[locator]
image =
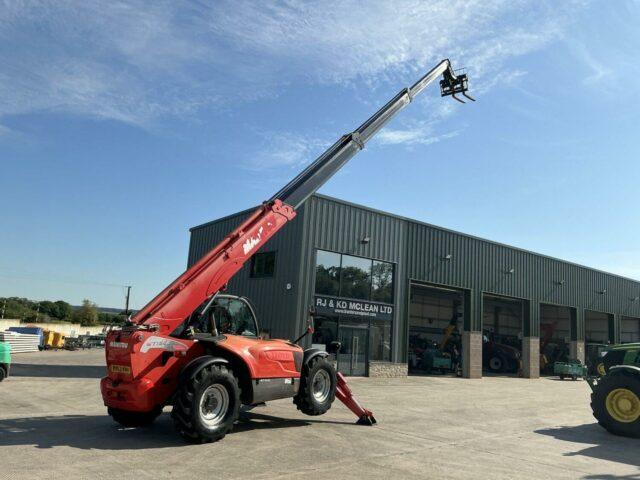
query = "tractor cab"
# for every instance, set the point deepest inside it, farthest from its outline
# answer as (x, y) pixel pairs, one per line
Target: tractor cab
(223, 315)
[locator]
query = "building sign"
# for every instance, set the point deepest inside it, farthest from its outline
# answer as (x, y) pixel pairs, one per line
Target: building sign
(331, 306)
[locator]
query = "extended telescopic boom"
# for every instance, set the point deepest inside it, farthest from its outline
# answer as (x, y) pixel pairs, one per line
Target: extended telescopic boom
(215, 269)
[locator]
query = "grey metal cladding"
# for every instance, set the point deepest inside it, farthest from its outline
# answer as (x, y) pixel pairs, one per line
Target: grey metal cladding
(275, 304)
(418, 250)
(338, 226)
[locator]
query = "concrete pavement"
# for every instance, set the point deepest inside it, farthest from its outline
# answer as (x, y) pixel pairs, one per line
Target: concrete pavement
(53, 425)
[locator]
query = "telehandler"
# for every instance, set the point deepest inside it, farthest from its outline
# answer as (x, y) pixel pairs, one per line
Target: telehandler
(196, 348)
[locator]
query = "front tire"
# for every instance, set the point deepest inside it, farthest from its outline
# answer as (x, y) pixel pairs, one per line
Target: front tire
(207, 406)
(317, 387)
(130, 419)
(616, 403)
(497, 364)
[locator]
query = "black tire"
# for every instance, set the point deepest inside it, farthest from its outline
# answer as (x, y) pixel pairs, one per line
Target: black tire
(133, 419)
(206, 407)
(3, 373)
(606, 385)
(315, 396)
(562, 376)
(574, 377)
(497, 364)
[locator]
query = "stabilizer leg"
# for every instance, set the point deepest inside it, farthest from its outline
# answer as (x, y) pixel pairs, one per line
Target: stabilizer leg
(344, 394)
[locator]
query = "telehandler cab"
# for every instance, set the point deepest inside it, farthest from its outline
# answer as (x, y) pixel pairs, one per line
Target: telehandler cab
(197, 348)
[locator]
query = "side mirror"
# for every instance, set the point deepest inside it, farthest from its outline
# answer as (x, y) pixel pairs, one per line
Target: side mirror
(334, 347)
(311, 320)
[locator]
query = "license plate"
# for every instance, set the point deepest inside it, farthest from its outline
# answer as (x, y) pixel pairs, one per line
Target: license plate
(120, 369)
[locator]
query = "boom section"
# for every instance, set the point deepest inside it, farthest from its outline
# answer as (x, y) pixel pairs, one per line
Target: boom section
(212, 272)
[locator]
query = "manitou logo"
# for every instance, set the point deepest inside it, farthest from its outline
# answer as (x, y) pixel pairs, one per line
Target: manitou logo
(252, 242)
(162, 344)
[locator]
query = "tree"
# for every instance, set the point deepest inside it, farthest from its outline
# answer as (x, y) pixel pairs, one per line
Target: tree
(63, 311)
(87, 314)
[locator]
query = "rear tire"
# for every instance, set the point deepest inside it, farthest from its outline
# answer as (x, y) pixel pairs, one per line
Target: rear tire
(3, 374)
(317, 387)
(130, 419)
(616, 403)
(497, 364)
(207, 406)
(562, 376)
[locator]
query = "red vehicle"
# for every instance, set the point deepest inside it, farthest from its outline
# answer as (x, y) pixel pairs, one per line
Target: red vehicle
(197, 349)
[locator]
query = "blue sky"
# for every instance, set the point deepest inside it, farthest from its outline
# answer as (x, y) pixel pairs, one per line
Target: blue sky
(122, 124)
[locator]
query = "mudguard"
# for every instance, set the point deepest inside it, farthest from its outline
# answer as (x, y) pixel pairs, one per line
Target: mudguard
(196, 365)
(625, 368)
(311, 353)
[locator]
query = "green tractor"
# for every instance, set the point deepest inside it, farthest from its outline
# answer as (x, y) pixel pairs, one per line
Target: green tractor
(615, 400)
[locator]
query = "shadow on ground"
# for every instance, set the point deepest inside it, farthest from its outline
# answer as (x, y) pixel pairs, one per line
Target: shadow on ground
(100, 432)
(60, 371)
(603, 445)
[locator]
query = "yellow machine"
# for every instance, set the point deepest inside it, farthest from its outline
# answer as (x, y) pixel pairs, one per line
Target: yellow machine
(58, 340)
(48, 337)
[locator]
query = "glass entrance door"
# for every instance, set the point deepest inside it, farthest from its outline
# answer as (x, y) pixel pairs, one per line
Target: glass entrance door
(352, 358)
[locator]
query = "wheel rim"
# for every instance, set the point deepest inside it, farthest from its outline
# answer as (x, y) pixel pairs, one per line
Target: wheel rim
(321, 385)
(495, 363)
(623, 405)
(214, 404)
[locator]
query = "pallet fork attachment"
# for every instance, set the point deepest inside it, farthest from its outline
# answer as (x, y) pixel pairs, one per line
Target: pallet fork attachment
(344, 394)
(453, 83)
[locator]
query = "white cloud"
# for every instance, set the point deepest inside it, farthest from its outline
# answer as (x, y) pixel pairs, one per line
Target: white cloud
(421, 134)
(285, 149)
(138, 62)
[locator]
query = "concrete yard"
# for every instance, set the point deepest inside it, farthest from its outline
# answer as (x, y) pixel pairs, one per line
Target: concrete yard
(53, 425)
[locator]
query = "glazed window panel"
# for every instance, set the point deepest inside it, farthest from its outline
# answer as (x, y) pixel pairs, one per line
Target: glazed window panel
(355, 278)
(327, 273)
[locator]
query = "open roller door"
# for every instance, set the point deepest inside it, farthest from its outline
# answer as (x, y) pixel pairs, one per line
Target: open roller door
(555, 335)
(502, 329)
(436, 322)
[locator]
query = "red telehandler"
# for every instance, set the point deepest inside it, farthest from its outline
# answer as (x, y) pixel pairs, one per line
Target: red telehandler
(197, 348)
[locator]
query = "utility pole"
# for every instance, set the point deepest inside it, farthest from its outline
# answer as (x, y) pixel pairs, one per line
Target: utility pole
(126, 306)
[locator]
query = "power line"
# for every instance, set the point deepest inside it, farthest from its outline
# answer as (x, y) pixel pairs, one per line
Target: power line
(60, 280)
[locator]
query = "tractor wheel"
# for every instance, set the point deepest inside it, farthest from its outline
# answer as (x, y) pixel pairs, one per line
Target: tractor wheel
(497, 364)
(616, 403)
(317, 387)
(206, 408)
(133, 419)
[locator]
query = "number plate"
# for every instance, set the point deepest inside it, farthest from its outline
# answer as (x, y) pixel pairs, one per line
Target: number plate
(120, 369)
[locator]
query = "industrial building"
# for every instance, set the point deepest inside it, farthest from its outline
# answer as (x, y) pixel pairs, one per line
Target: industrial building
(388, 288)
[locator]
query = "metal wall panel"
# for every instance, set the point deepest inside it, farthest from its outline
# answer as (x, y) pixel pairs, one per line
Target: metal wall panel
(418, 250)
(340, 227)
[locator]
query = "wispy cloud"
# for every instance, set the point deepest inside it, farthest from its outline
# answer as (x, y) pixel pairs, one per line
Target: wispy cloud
(285, 149)
(421, 134)
(138, 62)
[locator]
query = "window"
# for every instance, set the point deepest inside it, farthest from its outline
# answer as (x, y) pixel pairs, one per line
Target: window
(382, 282)
(234, 317)
(263, 265)
(328, 273)
(381, 341)
(353, 277)
(355, 280)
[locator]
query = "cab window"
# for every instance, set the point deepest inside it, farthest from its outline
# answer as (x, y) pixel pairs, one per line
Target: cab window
(234, 317)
